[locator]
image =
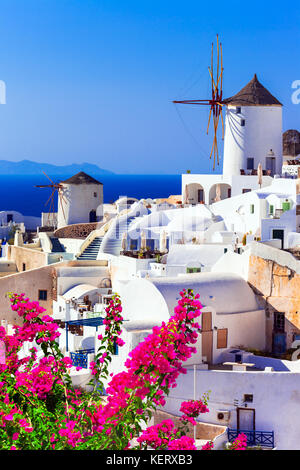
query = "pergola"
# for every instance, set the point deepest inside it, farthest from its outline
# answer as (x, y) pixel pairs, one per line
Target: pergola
(95, 322)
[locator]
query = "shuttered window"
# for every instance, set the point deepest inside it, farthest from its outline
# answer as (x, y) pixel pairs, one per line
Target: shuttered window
(222, 338)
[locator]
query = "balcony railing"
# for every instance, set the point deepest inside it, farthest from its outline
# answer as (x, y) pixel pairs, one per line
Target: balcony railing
(254, 438)
(80, 358)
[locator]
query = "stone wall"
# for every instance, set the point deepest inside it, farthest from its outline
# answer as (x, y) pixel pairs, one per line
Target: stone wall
(29, 282)
(26, 258)
(76, 231)
(278, 289)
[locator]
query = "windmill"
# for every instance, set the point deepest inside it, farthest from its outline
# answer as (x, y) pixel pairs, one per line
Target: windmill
(54, 187)
(215, 101)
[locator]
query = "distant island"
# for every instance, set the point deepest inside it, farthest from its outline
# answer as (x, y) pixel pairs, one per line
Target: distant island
(27, 167)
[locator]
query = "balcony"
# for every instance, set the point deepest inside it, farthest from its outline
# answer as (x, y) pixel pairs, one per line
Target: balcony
(254, 438)
(80, 358)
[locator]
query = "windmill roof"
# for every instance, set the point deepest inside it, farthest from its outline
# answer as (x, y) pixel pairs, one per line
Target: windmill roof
(81, 178)
(253, 94)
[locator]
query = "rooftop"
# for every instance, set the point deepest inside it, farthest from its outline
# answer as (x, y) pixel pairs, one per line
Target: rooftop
(253, 94)
(81, 178)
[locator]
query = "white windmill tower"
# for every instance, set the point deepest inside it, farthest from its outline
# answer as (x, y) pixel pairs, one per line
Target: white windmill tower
(82, 200)
(253, 131)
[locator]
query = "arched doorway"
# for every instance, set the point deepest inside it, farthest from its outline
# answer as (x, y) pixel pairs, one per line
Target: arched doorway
(93, 217)
(194, 193)
(219, 192)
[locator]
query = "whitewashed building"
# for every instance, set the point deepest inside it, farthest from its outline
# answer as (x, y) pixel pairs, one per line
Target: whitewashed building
(80, 200)
(253, 135)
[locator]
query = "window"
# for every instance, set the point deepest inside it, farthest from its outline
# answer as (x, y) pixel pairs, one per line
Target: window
(245, 190)
(248, 398)
(23, 267)
(222, 338)
(286, 206)
(9, 218)
(95, 194)
(238, 110)
(251, 208)
(279, 322)
(42, 295)
(250, 163)
(243, 122)
(193, 270)
(271, 209)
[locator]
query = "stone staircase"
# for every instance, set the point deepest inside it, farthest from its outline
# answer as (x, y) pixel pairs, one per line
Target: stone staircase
(113, 244)
(91, 251)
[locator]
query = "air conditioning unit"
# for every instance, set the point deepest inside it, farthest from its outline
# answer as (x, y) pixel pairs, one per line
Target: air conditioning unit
(223, 415)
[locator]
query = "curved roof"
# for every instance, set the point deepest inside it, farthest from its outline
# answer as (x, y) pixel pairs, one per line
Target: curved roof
(225, 292)
(125, 199)
(79, 291)
(143, 305)
(253, 94)
(81, 178)
(148, 302)
(192, 219)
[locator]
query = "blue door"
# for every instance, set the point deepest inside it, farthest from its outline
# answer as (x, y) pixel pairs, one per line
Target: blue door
(279, 343)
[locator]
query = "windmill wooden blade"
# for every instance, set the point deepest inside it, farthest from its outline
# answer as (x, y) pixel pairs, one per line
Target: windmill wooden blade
(51, 197)
(48, 177)
(215, 101)
(208, 120)
(55, 187)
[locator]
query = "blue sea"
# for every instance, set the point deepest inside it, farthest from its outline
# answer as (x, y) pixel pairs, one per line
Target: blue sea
(18, 192)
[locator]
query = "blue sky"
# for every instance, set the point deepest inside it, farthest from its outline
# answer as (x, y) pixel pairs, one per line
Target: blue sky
(94, 80)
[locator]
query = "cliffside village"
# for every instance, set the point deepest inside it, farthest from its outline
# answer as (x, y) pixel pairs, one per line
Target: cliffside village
(234, 238)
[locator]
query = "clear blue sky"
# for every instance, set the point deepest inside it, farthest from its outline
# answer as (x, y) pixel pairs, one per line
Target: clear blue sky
(94, 80)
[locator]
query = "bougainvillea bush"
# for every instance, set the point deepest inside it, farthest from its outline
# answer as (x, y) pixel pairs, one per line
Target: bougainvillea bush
(41, 409)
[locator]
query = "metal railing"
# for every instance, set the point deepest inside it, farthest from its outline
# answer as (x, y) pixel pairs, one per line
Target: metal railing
(80, 358)
(254, 438)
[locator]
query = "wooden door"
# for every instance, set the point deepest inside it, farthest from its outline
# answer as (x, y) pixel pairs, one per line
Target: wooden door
(206, 321)
(207, 336)
(246, 419)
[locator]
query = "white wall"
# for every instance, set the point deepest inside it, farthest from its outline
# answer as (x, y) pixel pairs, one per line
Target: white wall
(68, 277)
(276, 399)
(78, 200)
(261, 133)
(71, 245)
(287, 222)
(233, 263)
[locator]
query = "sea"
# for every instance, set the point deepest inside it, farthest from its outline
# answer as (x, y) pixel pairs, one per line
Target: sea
(19, 192)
